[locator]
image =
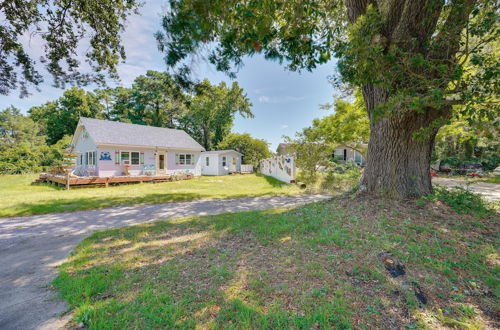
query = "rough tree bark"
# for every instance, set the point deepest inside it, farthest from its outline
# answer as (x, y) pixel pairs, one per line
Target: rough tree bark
(398, 162)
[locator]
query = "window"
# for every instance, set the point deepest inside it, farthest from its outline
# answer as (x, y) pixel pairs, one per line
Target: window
(207, 161)
(135, 158)
(185, 159)
(130, 157)
(125, 157)
(234, 161)
(223, 160)
(90, 158)
(338, 154)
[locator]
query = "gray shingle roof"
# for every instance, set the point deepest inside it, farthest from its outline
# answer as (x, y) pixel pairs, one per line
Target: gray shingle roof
(221, 152)
(114, 132)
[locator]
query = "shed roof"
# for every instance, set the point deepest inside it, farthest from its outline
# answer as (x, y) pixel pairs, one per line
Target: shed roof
(219, 152)
(114, 132)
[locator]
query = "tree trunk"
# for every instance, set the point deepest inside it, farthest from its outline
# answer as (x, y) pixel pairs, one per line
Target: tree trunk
(398, 161)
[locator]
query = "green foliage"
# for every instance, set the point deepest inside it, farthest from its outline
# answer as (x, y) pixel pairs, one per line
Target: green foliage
(253, 149)
(309, 155)
(211, 112)
(22, 145)
(460, 199)
(412, 69)
(334, 180)
(462, 141)
(60, 117)
(157, 100)
(59, 27)
(451, 52)
(19, 159)
(16, 129)
(348, 125)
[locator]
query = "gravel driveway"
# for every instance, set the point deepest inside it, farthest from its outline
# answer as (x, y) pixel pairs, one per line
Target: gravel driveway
(31, 246)
(490, 191)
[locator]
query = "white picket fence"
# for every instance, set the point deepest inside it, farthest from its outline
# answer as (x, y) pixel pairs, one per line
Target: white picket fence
(279, 167)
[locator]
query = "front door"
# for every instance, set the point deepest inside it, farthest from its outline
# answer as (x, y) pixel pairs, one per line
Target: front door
(161, 162)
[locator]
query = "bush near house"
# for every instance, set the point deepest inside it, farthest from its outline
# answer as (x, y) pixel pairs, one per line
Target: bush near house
(322, 265)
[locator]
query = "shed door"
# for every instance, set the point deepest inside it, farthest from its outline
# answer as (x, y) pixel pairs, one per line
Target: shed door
(209, 165)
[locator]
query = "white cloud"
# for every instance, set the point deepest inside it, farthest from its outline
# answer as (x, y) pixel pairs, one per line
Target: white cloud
(284, 126)
(280, 99)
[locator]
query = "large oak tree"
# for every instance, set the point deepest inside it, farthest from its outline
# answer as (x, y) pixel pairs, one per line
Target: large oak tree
(412, 59)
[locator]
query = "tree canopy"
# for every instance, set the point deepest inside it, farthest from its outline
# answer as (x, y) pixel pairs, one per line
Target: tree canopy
(212, 110)
(61, 26)
(348, 125)
(253, 150)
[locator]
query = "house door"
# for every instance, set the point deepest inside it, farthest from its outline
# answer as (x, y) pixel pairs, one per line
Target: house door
(161, 163)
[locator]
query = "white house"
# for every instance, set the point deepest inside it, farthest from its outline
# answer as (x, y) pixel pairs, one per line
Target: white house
(220, 162)
(111, 148)
(345, 154)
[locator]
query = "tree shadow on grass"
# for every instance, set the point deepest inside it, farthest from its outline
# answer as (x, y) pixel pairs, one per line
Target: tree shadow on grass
(272, 181)
(259, 269)
(186, 275)
(94, 203)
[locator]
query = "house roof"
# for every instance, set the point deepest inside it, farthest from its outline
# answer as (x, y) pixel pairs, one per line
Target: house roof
(114, 132)
(220, 152)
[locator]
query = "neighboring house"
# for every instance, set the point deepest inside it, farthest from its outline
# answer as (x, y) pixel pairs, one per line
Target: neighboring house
(342, 153)
(108, 148)
(345, 154)
(220, 162)
(283, 149)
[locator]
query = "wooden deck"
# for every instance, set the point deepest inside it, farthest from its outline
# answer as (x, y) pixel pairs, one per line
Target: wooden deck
(99, 181)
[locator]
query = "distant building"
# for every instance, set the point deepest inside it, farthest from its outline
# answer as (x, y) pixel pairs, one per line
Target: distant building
(346, 154)
(283, 149)
(343, 153)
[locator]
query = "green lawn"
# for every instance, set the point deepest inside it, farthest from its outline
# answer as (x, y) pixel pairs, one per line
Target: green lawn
(322, 265)
(18, 197)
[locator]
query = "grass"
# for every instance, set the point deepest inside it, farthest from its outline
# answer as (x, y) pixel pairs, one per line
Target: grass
(495, 179)
(18, 197)
(331, 181)
(314, 266)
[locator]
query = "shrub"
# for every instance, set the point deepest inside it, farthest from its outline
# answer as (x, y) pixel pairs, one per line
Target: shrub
(461, 200)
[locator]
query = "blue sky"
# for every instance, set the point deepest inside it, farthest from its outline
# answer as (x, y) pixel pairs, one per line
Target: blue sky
(283, 102)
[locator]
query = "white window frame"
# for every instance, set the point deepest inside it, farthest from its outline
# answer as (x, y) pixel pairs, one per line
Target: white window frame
(129, 153)
(132, 158)
(183, 159)
(207, 161)
(339, 154)
(224, 161)
(90, 158)
(125, 161)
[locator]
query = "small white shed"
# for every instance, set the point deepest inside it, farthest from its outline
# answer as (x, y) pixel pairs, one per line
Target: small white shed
(220, 162)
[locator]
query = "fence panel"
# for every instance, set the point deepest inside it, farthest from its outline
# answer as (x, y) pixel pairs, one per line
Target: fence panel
(279, 167)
